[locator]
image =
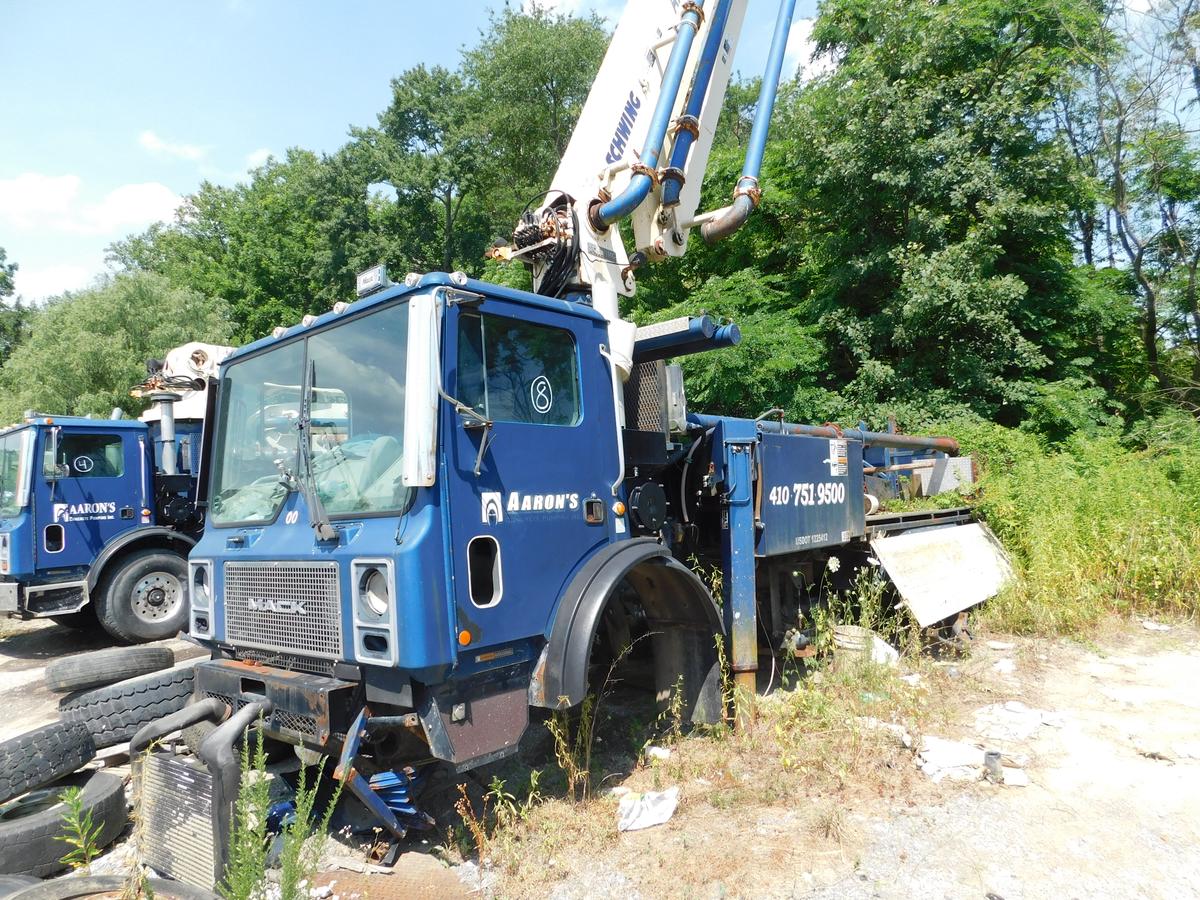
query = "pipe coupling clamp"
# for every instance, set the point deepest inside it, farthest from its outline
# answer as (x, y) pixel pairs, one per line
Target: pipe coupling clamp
(691, 6)
(689, 124)
(648, 171)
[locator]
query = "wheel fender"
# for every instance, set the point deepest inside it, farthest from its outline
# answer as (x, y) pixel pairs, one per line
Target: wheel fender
(152, 534)
(560, 678)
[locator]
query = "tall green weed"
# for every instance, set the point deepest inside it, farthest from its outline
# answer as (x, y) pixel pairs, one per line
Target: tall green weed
(1098, 525)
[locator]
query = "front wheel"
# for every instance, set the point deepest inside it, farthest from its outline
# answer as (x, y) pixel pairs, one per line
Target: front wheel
(144, 597)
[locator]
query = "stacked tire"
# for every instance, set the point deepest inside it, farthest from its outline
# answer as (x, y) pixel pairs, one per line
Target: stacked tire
(113, 694)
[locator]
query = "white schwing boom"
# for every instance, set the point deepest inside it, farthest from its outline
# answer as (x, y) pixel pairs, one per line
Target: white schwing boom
(640, 150)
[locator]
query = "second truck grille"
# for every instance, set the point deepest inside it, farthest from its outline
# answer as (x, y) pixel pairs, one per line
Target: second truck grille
(291, 607)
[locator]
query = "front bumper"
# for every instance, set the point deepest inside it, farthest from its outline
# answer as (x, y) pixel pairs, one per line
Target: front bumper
(312, 710)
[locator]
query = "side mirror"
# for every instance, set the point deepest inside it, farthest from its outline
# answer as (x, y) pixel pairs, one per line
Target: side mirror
(51, 470)
(422, 381)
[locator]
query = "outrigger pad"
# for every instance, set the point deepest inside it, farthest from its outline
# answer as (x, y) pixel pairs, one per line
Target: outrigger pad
(945, 569)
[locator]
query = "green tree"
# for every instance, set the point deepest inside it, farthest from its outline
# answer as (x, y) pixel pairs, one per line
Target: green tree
(529, 76)
(86, 350)
(930, 198)
(7, 270)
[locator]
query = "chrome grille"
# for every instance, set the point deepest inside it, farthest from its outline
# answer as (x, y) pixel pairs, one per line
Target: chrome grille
(176, 807)
(281, 586)
(288, 661)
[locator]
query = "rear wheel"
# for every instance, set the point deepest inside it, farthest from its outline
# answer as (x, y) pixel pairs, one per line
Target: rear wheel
(143, 598)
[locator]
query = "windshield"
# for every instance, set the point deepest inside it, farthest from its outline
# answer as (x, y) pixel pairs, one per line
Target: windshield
(355, 430)
(14, 471)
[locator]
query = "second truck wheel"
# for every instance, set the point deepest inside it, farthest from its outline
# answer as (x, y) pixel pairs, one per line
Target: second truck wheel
(144, 598)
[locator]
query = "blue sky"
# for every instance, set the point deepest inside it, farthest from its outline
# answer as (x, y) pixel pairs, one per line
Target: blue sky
(113, 111)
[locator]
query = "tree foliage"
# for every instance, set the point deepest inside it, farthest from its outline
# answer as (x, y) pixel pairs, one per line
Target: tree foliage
(86, 350)
(986, 208)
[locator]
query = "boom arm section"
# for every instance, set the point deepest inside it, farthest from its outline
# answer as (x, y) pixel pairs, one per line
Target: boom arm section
(640, 149)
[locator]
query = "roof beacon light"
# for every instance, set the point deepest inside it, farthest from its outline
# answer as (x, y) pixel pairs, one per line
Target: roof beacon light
(372, 280)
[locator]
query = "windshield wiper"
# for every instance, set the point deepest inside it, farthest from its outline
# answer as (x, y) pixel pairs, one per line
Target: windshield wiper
(307, 481)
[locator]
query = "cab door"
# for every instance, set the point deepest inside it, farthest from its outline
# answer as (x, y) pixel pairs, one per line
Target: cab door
(87, 493)
(539, 504)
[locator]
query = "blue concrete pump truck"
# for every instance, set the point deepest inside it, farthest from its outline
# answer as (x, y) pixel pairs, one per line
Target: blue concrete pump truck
(97, 515)
(436, 507)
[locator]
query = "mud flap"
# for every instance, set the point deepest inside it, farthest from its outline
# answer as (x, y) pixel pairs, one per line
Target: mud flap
(480, 721)
(945, 569)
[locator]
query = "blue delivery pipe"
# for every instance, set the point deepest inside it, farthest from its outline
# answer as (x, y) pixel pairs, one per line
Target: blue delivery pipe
(747, 193)
(639, 186)
(673, 177)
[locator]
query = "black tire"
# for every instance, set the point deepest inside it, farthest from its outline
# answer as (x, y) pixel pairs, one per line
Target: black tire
(114, 714)
(31, 826)
(84, 671)
(143, 597)
(40, 756)
(193, 736)
(107, 886)
(12, 885)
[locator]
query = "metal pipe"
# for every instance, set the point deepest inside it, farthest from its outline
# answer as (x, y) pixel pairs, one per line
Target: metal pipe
(638, 189)
(165, 401)
(947, 445)
(695, 104)
(746, 195)
(684, 343)
(210, 708)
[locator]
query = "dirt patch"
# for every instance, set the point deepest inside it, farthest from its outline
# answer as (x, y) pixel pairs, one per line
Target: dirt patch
(1112, 808)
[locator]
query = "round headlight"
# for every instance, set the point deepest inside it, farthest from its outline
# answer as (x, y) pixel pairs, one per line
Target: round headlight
(374, 590)
(200, 588)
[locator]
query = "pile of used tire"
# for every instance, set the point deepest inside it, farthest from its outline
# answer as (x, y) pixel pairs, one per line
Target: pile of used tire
(108, 696)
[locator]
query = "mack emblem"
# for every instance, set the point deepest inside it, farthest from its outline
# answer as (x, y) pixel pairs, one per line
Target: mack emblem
(295, 607)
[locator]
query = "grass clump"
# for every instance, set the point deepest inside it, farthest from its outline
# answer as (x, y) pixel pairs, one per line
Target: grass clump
(1096, 526)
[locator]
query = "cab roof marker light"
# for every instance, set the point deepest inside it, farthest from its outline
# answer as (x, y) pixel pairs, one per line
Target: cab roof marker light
(308, 320)
(340, 307)
(278, 331)
(412, 279)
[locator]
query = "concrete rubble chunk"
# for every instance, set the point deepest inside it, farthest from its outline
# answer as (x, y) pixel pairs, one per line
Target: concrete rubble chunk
(1015, 777)
(1013, 721)
(1001, 645)
(1151, 625)
(940, 759)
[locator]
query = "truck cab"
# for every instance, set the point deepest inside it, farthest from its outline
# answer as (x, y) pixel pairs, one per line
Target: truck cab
(97, 515)
(403, 493)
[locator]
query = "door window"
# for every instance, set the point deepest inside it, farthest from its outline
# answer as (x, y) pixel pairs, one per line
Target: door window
(515, 371)
(91, 455)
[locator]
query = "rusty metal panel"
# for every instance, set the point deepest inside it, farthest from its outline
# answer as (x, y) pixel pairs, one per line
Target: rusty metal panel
(943, 570)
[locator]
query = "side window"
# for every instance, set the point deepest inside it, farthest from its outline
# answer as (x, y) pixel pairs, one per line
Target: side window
(91, 455)
(514, 371)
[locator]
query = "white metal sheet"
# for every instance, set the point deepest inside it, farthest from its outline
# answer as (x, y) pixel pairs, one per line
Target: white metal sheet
(943, 570)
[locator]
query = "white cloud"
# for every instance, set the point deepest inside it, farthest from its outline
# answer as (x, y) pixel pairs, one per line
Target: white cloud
(1139, 6)
(32, 198)
(257, 157)
(159, 147)
(798, 58)
(35, 283)
(53, 203)
(605, 9)
(130, 206)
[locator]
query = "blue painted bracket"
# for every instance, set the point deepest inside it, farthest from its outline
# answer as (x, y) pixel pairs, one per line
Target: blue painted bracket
(359, 786)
